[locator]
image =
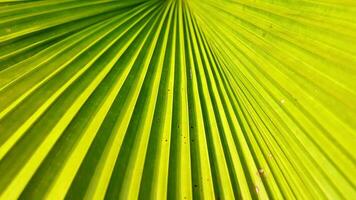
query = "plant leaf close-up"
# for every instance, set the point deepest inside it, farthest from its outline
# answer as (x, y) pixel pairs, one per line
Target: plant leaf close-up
(178, 99)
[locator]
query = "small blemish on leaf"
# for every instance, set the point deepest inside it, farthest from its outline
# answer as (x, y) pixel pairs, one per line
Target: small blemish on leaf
(261, 172)
(257, 189)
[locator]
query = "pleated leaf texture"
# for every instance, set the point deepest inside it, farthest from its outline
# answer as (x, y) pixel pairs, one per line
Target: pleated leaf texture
(178, 99)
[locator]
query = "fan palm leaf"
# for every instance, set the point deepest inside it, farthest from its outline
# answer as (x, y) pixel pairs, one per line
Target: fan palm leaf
(178, 99)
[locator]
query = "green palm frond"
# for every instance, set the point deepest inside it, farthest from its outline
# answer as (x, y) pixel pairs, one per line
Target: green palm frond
(178, 99)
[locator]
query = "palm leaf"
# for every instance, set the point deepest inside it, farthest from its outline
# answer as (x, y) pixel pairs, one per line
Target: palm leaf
(178, 99)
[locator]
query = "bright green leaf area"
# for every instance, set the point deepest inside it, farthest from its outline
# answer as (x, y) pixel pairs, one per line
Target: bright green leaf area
(178, 99)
